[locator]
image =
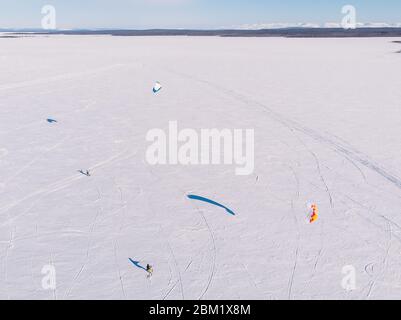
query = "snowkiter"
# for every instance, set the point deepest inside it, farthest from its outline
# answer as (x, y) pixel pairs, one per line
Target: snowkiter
(149, 269)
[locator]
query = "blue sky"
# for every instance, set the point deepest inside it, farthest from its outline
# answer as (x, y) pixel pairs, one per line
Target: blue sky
(191, 13)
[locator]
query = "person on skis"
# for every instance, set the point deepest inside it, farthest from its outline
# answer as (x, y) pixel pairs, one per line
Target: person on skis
(149, 270)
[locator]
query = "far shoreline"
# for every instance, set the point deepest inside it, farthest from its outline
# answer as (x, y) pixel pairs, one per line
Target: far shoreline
(286, 33)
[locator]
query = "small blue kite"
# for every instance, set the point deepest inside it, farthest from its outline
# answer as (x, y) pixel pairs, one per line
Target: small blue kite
(193, 197)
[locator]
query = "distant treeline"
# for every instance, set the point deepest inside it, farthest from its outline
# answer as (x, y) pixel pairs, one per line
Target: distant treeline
(290, 32)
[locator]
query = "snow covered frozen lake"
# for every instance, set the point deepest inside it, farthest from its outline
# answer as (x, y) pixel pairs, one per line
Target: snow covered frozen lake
(327, 120)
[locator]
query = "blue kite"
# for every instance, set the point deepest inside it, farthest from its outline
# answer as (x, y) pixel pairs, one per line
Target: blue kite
(193, 197)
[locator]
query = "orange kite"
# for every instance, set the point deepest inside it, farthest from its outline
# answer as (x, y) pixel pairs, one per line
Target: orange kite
(315, 212)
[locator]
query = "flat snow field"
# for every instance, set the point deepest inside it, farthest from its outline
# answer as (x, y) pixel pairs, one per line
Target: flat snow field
(327, 121)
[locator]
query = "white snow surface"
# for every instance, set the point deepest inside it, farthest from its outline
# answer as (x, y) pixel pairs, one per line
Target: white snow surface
(327, 121)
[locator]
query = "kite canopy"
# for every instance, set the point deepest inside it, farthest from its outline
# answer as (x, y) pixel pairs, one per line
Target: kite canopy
(194, 197)
(51, 120)
(157, 87)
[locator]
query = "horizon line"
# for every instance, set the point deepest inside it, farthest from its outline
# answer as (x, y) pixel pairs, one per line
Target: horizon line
(38, 29)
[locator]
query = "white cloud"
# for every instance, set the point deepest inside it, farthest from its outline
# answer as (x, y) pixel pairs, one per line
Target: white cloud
(332, 25)
(281, 25)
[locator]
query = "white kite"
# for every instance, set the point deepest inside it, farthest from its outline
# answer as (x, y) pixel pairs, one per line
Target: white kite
(157, 87)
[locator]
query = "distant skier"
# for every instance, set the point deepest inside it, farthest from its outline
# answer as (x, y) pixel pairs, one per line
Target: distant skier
(149, 270)
(87, 173)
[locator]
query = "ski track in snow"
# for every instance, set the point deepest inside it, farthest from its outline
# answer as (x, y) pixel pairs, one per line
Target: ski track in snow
(212, 272)
(121, 212)
(293, 125)
(57, 186)
(344, 149)
(57, 78)
(178, 270)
